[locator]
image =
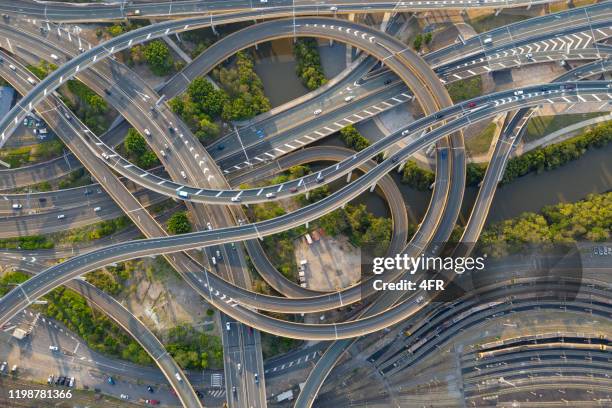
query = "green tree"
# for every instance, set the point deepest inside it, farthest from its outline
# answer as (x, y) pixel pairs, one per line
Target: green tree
(417, 43)
(158, 57)
(134, 143)
(179, 223)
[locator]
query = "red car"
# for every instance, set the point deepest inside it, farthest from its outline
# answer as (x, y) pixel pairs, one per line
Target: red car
(152, 402)
(471, 104)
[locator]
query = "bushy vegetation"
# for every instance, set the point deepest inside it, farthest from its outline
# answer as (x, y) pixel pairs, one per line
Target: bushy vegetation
(200, 107)
(589, 219)
(110, 279)
(97, 230)
(465, 89)
(90, 107)
(309, 67)
(417, 177)
(10, 279)
(28, 243)
(353, 139)
(361, 226)
(549, 157)
(244, 87)
(419, 39)
(537, 160)
(179, 223)
(42, 69)
(138, 151)
(193, 349)
(241, 97)
(157, 55)
(21, 156)
(75, 178)
(70, 308)
(98, 331)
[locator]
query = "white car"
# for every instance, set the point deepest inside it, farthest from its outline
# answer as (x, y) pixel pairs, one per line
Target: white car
(61, 217)
(96, 209)
(317, 112)
(227, 326)
(147, 132)
(349, 98)
(53, 348)
(124, 396)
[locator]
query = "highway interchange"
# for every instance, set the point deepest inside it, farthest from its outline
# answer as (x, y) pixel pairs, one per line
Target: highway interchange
(423, 78)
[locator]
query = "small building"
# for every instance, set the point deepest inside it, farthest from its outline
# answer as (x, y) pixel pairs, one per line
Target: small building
(284, 396)
(20, 334)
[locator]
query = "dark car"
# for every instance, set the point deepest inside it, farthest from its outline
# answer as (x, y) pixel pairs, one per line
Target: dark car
(220, 147)
(199, 394)
(108, 92)
(42, 199)
(110, 381)
(387, 82)
(150, 389)
(293, 190)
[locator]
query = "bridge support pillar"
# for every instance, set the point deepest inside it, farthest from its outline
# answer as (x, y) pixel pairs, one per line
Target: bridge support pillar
(497, 12)
(343, 205)
(529, 7)
(307, 195)
(307, 224)
(401, 166)
(372, 188)
(348, 177)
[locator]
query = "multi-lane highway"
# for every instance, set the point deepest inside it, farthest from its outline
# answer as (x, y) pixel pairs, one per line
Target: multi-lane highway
(195, 178)
(164, 9)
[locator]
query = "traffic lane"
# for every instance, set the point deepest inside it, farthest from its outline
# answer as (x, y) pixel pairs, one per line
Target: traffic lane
(257, 140)
(272, 223)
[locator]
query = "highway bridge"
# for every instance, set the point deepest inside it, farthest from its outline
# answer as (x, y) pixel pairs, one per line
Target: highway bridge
(534, 41)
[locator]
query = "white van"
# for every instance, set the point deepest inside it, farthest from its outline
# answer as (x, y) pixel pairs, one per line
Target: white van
(17, 206)
(55, 57)
(97, 209)
(61, 217)
(31, 80)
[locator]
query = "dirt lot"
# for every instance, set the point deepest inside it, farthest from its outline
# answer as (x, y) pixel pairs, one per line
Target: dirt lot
(162, 300)
(332, 262)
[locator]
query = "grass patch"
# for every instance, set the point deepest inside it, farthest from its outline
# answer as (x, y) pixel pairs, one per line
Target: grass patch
(539, 126)
(481, 142)
(77, 178)
(95, 231)
(465, 89)
(489, 22)
(29, 243)
(26, 155)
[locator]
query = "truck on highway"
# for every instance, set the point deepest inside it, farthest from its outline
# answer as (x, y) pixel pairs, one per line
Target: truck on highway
(183, 194)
